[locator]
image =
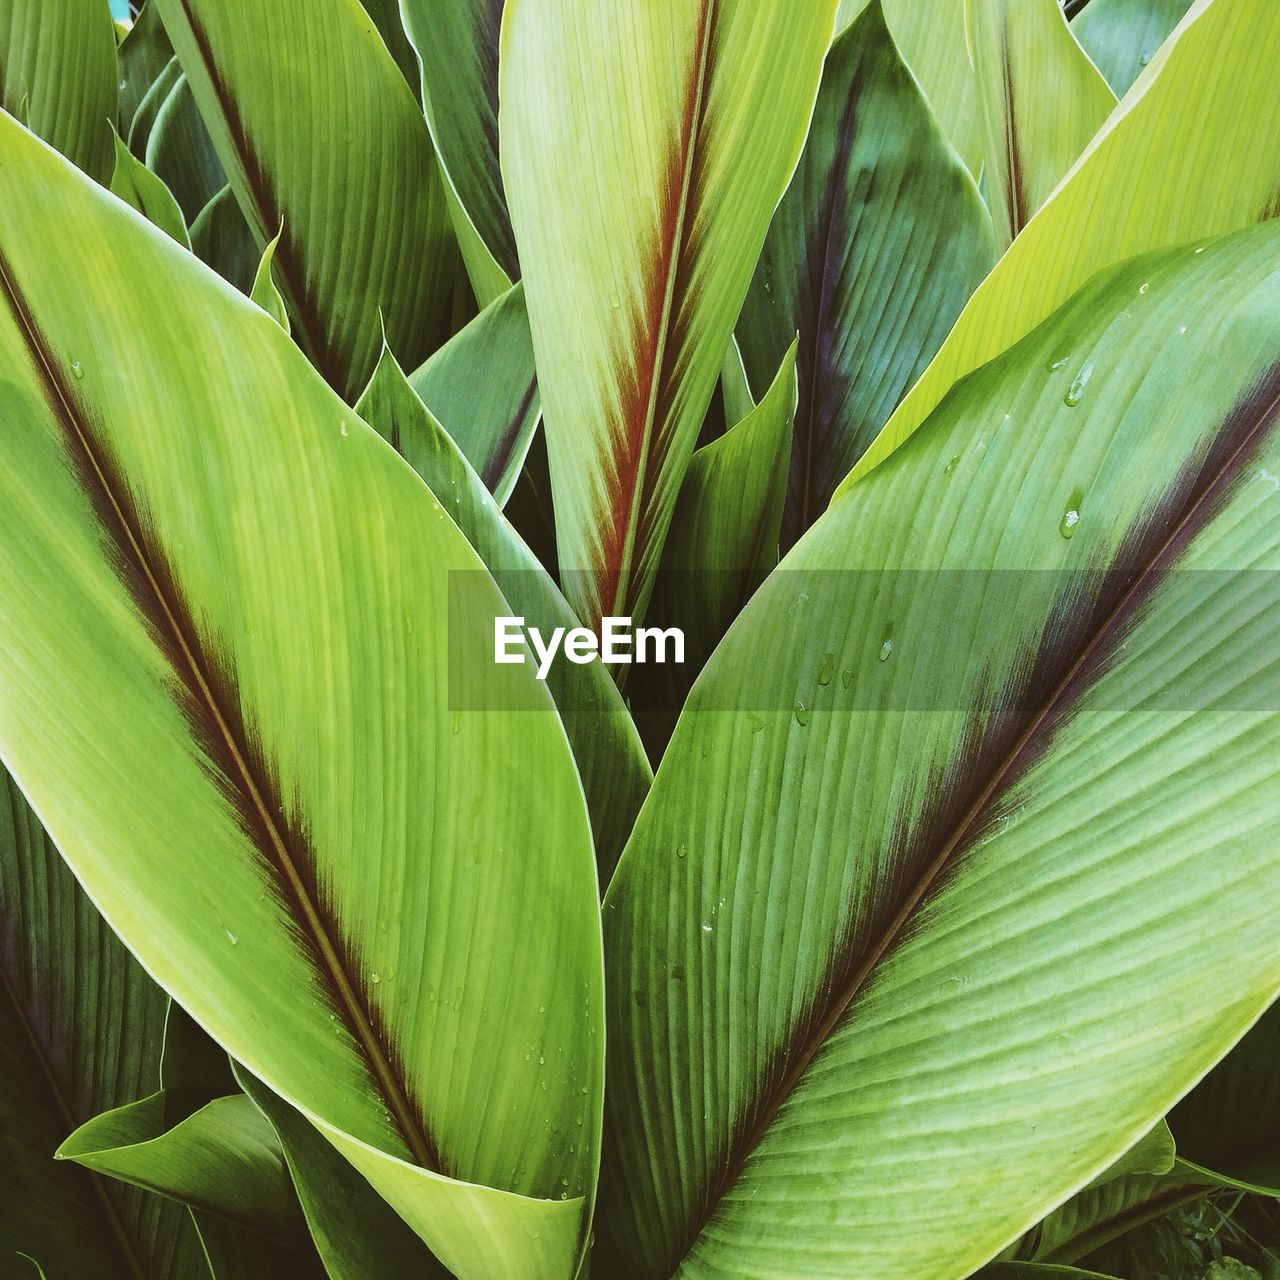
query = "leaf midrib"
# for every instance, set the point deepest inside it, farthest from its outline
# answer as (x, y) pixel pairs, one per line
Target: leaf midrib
(1062, 692)
(197, 679)
(674, 244)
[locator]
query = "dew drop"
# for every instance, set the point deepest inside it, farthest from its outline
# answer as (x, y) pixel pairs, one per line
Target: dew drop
(706, 928)
(1075, 391)
(1071, 516)
(802, 714)
(1144, 287)
(756, 722)
(375, 978)
(124, 84)
(1058, 362)
(231, 938)
(826, 673)
(1199, 249)
(77, 369)
(1144, 60)
(951, 466)
(342, 429)
(885, 650)
(682, 851)
(457, 723)
(846, 677)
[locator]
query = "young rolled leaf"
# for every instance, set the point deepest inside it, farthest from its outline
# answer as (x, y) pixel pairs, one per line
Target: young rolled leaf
(293, 771)
(144, 118)
(1122, 36)
(1033, 136)
(222, 1157)
(141, 58)
(80, 1031)
(483, 388)
(897, 960)
(180, 150)
(343, 159)
(221, 237)
(609, 755)
(358, 1236)
(877, 245)
(58, 76)
(136, 185)
(930, 36)
(1176, 160)
(457, 43)
(640, 197)
(264, 292)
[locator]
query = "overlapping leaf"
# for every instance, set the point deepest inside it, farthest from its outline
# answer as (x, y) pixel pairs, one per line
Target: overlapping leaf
(640, 196)
(293, 776)
(342, 159)
(897, 958)
(1181, 157)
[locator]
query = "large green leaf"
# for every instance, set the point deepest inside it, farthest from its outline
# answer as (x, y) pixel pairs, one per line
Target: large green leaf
(877, 245)
(610, 758)
(58, 75)
(221, 237)
(898, 961)
(640, 195)
(1041, 99)
(210, 558)
(1122, 36)
(80, 1031)
(483, 388)
(930, 35)
(322, 135)
(457, 44)
(1178, 159)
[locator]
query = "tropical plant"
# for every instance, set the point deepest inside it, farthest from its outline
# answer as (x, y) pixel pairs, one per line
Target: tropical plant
(919, 360)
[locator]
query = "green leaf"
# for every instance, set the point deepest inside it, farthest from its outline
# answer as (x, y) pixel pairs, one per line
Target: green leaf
(143, 55)
(877, 245)
(1041, 99)
(180, 150)
(1037, 1271)
(264, 291)
(1154, 1153)
(387, 18)
(723, 542)
(144, 118)
(1229, 1125)
(610, 757)
(640, 213)
(735, 388)
(457, 44)
(1122, 36)
(482, 386)
(359, 1236)
(221, 237)
(898, 962)
(136, 185)
(80, 1031)
(931, 37)
(294, 771)
(340, 156)
(222, 1157)
(58, 75)
(1218, 171)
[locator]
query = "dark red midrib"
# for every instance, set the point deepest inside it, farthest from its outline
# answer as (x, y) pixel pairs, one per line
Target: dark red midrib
(1072, 682)
(114, 1224)
(496, 463)
(270, 216)
(834, 192)
(223, 735)
(635, 477)
(1016, 192)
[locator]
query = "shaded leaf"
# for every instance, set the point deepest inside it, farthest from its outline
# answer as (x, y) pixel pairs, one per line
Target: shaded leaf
(875, 248)
(180, 150)
(143, 55)
(221, 237)
(136, 185)
(1122, 36)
